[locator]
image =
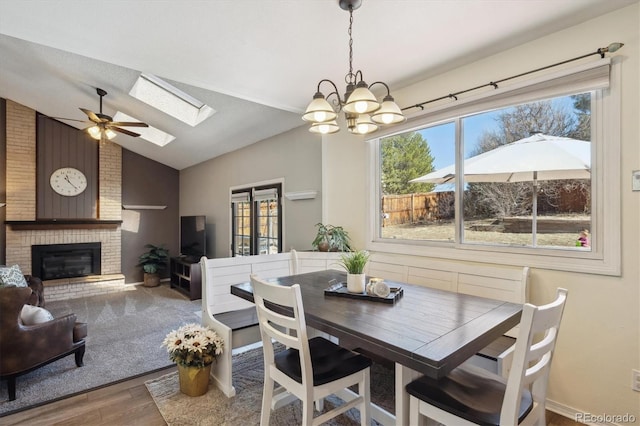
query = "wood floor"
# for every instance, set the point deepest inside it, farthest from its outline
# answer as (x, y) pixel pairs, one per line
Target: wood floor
(126, 403)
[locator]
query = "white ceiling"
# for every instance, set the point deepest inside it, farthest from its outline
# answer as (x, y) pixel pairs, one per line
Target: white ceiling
(257, 62)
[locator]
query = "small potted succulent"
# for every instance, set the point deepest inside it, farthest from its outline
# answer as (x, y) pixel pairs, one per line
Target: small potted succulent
(354, 263)
(153, 261)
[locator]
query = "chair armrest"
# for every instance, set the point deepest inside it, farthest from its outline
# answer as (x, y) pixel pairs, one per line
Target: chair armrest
(55, 335)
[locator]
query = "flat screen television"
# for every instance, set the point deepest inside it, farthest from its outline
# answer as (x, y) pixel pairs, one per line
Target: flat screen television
(193, 237)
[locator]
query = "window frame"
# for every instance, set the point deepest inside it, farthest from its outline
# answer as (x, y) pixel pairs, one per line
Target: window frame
(604, 258)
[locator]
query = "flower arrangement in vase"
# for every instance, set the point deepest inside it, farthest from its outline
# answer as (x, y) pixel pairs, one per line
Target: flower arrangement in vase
(354, 263)
(193, 348)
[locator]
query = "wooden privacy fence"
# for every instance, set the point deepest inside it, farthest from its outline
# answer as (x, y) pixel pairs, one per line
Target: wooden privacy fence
(419, 207)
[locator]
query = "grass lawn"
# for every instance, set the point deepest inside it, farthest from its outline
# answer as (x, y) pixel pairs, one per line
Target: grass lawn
(445, 231)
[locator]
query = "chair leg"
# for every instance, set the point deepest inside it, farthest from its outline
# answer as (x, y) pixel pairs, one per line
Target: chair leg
(363, 390)
(307, 413)
(267, 397)
(11, 387)
(79, 354)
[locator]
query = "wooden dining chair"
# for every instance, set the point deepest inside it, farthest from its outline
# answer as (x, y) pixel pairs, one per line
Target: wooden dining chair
(470, 395)
(309, 369)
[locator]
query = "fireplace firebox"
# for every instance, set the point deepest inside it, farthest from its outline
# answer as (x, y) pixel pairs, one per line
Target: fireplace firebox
(54, 261)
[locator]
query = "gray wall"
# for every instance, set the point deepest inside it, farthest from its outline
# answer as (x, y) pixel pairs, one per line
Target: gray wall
(147, 182)
(295, 156)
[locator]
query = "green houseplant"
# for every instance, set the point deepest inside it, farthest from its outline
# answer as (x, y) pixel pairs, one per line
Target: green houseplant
(354, 263)
(153, 261)
(331, 238)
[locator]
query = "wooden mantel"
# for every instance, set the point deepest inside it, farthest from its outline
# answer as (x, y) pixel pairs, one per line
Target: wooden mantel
(48, 224)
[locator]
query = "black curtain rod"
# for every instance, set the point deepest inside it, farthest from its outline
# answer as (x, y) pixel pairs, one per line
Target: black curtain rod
(601, 51)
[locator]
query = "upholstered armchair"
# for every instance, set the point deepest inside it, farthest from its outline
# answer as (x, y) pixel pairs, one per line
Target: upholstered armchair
(23, 348)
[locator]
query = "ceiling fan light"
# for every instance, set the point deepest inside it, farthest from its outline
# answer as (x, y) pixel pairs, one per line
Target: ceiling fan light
(389, 112)
(319, 110)
(325, 128)
(361, 100)
(110, 134)
(94, 132)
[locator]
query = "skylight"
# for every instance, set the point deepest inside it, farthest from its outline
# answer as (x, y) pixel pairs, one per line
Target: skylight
(150, 133)
(170, 100)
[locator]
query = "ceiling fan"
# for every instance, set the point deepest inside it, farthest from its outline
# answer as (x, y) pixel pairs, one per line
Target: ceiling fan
(104, 124)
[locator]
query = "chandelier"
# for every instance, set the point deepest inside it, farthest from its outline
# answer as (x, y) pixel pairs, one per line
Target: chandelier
(363, 112)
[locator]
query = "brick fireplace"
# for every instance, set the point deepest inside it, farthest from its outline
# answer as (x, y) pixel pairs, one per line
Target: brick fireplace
(21, 207)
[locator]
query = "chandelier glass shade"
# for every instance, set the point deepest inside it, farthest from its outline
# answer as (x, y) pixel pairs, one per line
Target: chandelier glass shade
(363, 112)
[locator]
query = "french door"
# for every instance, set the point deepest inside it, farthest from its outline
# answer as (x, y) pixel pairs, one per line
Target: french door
(256, 220)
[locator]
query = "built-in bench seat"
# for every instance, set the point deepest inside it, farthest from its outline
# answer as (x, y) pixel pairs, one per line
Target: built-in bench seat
(235, 320)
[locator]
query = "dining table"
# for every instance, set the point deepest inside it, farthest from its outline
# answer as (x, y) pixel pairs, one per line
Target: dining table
(424, 331)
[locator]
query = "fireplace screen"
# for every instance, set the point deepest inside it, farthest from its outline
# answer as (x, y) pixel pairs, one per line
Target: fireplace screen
(53, 261)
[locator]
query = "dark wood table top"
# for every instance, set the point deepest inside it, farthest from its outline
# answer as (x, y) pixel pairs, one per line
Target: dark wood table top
(431, 331)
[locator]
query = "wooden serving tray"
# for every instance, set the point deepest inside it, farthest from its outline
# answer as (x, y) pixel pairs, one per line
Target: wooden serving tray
(340, 290)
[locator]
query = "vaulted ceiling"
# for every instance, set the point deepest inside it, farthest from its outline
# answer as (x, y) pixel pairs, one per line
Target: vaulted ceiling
(256, 62)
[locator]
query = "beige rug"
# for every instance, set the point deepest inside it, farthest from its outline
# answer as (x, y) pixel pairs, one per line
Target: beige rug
(214, 408)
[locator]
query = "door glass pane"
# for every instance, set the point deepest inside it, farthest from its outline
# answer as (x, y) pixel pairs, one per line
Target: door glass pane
(268, 226)
(242, 228)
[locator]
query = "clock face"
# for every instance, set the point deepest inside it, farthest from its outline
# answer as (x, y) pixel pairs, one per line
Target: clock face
(68, 181)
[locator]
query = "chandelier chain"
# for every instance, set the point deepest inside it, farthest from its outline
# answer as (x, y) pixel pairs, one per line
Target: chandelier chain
(349, 77)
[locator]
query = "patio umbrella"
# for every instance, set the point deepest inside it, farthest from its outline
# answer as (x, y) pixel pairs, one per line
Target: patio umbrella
(538, 157)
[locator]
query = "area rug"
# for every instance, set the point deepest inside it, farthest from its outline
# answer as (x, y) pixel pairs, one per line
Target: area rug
(125, 332)
(214, 408)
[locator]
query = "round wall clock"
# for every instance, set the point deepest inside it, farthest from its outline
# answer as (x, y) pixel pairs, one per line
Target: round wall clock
(68, 181)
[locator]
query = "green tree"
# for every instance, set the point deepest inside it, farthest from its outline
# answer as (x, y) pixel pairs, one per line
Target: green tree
(405, 157)
(582, 108)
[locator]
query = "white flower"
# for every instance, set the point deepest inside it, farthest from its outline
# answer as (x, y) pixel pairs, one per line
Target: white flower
(193, 345)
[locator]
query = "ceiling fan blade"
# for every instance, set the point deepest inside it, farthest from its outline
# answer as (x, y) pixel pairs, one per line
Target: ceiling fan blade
(68, 119)
(92, 116)
(128, 124)
(126, 132)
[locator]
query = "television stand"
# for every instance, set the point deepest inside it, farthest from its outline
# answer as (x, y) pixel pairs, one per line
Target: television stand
(186, 276)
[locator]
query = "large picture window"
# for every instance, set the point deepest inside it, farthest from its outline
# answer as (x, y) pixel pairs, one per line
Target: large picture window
(531, 173)
(526, 177)
(256, 223)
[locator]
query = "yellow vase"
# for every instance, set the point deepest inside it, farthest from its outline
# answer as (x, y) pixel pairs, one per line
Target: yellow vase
(194, 381)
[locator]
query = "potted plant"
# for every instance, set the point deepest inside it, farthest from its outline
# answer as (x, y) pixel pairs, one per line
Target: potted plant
(354, 263)
(331, 238)
(194, 348)
(152, 262)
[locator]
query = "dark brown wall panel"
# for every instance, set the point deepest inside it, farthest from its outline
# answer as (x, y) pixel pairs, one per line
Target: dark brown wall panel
(147, 183)
(60, 145)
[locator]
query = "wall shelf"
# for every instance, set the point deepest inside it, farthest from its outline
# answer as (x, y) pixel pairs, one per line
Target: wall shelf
(301, 195)
(142, 207)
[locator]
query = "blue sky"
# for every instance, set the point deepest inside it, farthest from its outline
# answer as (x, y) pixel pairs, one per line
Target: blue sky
(441, 138)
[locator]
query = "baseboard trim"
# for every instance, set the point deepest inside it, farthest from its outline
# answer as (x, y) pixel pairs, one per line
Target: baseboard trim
(575, 414)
